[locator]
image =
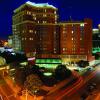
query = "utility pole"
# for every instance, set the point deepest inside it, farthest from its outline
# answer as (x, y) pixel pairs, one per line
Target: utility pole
(26, 94)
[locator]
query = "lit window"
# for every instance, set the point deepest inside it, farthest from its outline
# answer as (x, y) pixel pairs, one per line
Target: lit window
(54, 48)
(55, 17)
(73, 45)
(33, 14)
(45, 10)
(38, 21)
(34, 18)
(64, 32)
(73, 49)
(22, 38)
(44, 21)
(44, 15)
(80, 38)
(54, 32)
(72, 38)
(55, 21)
(30, 31)
(64, 49)
(28, 12)
(30, 39)
(23, 31)
(81, 24)
(25, 38)
(72, 32)
(55, 52)
(55, 12)
(35, 32)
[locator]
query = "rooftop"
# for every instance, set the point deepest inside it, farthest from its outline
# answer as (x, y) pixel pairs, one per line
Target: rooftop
(40, 4)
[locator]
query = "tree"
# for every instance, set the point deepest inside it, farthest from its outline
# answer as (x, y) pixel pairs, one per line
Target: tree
(61, 72)
(83, 63)
(33, 83)
(20, 76)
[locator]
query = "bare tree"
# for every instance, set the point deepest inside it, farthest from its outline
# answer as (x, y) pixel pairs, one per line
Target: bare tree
(33, 83)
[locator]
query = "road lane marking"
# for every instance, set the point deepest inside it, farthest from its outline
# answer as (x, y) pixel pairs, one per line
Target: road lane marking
(1, 97)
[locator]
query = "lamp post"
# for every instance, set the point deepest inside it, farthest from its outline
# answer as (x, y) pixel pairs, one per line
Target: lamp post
(26, 94)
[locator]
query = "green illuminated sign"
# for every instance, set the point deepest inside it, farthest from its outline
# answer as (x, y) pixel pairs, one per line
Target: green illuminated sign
(95, 50)
(47, 74)
(48, 61)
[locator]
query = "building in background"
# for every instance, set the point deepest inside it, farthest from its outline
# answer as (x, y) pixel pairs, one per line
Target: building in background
(10, 41)
(34, 26)
(76, 40)
(37, 33)
(96, 40)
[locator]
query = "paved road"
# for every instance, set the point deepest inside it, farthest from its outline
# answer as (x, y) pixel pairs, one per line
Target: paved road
(66, 86)
(5, 91)
(89, 77)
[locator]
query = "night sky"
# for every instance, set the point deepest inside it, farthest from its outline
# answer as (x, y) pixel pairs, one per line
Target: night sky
(78, 9)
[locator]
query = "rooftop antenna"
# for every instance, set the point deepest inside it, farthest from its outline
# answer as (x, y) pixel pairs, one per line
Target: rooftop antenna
(70, 11)
(70, 18)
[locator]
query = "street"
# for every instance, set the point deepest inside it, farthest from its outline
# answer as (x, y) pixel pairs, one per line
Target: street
(89, 77)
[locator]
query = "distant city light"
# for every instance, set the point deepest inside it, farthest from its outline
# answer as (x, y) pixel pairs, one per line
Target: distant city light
(40, 4)
(95, 30)
(33, 58)
(47, 74)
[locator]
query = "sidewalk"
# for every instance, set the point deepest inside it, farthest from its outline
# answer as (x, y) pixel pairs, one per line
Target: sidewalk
(13, 86)
(94, 96)
(16, 89)
(97, 97)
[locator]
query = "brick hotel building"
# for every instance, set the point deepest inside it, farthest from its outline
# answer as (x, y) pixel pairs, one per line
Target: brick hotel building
(76, 40)
(34, 26)
(35, 29)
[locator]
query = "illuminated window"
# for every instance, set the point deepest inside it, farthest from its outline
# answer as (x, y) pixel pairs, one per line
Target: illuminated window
(28, 12)
(55, 21)
(35, 32)
(64, 32)
(44, 15)
(73, 45)
(45, 10)
(82, 25)
(55, 52)
(44, 21)
(25, 38)
(23, 31)
(55, 17)
(30, 31)
(54, 32)
(22, 38)
(64, 49)
(73, 49)
(38, 21)
(72, 38)
(33, 14)
(54, 48)
(72, 32)
(29, 38)
(55, 12)
(34, 18)
(80, 38)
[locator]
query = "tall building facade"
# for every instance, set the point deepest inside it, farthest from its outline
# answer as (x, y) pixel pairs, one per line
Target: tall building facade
(34, 26)
(76, 40)
(96, 40)
(36, 31)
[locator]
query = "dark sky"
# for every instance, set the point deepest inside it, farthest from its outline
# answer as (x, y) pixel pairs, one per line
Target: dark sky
(78, 9)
